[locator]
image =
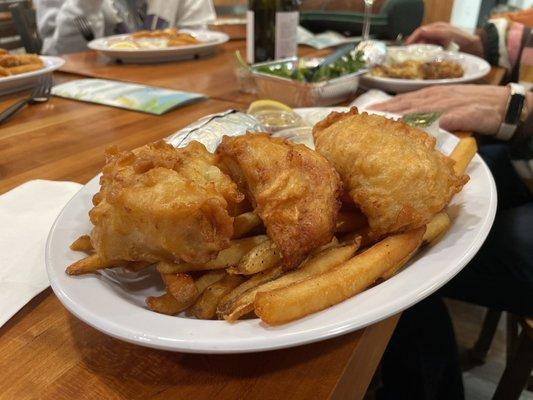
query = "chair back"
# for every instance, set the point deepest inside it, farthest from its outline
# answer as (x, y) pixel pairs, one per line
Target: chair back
(23, 15)
(9, 36)
(18, 26)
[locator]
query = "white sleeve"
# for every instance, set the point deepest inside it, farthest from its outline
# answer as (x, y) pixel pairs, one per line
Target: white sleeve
(55, 21)
(183, 12)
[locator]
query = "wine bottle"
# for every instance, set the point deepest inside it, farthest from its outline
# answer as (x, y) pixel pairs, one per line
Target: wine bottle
(271, 29)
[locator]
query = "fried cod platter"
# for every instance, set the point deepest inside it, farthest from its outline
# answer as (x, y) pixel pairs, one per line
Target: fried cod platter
(161, 203)
(390, 170)
(255, 229)
(294, 190)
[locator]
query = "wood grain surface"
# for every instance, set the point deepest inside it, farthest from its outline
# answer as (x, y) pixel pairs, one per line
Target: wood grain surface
(45, 352)
(212, 75)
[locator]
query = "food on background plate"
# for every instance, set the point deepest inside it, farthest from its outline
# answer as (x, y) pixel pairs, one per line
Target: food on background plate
(14, 64)
(294, 190)
(291, 192)
(301, 70)
(390, 170)
(155, 40)
(412, 69)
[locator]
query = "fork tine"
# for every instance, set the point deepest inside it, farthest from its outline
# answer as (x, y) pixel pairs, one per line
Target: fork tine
(43, 88)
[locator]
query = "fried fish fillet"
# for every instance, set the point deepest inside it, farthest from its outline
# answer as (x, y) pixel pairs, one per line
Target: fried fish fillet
(392, 171)
(412, 69)
(16, 60)
(161, 203)
(13, 64)
(294, 190)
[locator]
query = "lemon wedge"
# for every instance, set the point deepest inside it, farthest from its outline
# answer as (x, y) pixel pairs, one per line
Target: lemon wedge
(123, 45)
(267, 104)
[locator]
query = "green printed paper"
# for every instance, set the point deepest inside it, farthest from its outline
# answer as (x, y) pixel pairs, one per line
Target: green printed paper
(130, 96)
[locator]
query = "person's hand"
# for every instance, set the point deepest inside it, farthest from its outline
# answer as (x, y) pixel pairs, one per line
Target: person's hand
(476, 108)
(443, 34)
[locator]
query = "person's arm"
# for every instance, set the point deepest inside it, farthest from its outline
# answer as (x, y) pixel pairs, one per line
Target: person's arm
(195, 13)
(55, 21)
(478, 108)
(182, 12)
(443, 34)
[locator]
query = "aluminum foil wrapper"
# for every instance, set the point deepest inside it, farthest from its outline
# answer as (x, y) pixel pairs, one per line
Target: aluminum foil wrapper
(374, 52)
(210, 129)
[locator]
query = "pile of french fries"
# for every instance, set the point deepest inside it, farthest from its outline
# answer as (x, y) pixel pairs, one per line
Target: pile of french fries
(246, 279)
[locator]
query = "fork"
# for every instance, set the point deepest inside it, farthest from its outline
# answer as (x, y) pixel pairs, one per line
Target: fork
(84, 27)
(40, 94)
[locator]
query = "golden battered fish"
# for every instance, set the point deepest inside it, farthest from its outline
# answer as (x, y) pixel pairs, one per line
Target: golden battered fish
(161, 203)
(391, 171)
(294, 190)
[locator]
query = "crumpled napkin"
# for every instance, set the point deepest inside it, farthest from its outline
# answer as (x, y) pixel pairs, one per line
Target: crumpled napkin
(368, 98)
(26, 216)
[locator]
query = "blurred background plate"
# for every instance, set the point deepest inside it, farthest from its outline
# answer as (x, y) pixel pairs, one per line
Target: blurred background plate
(474, 68)
(15, 83)
(210, 41)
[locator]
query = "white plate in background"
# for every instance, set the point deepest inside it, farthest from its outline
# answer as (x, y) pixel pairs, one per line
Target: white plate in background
(113, 301)
(474, 68)
(15, 83)
(210, 40)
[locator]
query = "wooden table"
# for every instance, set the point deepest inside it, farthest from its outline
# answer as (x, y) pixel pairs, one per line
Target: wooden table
(45, 351)
(211, 75)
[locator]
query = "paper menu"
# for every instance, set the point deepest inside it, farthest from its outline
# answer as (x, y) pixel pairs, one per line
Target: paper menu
(130, 96)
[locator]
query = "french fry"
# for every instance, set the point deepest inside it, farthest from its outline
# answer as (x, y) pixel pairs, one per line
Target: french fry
(83, 243)
(395, 269)
(244, 223)
(323, 261)
(208, 279)
(463, 153)
(182, 287)
(90, 264)
(168, 304)
(256, 280)
(329, 288)
(225, 258)
(349, 221)
(435, 228)
(262, 257)
(206, 305)
(165, 304)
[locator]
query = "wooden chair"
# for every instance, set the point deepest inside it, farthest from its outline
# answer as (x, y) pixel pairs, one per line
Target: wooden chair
(519, 357)
(18, 27)
(23, 16)
(9, 36)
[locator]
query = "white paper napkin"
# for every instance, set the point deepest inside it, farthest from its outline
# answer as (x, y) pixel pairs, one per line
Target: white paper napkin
(26, 216)
(368, 98)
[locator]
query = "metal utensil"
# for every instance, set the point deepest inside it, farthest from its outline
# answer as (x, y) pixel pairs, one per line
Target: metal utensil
(374, 52)
(40, 94)
(340, 52)
(366, 21)
(84, 27)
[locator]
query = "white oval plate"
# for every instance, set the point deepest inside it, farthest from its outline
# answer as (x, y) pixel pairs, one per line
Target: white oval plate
(210, 41)
(474, 68)
(113, 302)
(14, 83)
